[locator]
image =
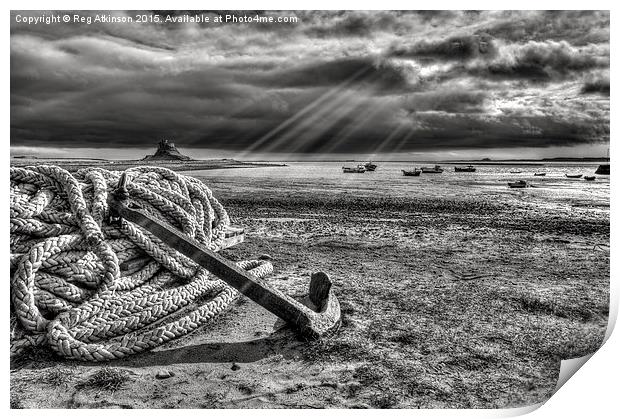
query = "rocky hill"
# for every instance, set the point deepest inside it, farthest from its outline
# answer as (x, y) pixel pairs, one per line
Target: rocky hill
(166, 151)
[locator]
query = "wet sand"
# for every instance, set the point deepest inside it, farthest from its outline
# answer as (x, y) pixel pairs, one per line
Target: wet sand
(460, 301)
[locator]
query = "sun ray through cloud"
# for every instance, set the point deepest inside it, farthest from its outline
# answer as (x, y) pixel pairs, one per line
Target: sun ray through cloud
(320, 104)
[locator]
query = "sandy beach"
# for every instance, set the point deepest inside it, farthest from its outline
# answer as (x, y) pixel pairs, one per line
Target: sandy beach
(448, 301)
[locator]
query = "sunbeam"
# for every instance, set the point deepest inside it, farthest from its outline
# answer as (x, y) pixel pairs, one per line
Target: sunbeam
(302, 113)
(346, 133)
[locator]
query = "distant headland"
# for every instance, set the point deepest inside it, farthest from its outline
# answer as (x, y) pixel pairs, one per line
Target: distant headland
(166, 155)
(166, 151)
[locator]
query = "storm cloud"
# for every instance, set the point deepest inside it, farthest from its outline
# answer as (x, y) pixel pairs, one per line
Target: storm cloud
(332, 82)
(549, 60)
(455, 48)
(597, 85)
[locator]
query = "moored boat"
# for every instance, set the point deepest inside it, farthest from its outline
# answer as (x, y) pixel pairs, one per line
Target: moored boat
(540, 174)
(518, 184)
(590, 178)
(414, 172)
(469, 168)
(357, 169)
(370, 166)
(573, 176)
(434, 169)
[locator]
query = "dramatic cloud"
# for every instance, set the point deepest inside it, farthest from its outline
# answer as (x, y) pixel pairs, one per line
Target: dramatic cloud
(540, 61)
(455, 48)
(600, 85)
(451, 101)
(576, 27)
(331, 82)
(382, 76)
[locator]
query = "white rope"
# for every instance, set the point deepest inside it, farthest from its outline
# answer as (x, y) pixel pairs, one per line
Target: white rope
(68, 290)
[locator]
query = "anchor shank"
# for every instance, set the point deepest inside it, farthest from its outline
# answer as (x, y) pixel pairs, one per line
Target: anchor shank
(293, 312)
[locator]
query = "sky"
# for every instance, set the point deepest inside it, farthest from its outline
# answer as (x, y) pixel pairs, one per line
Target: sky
(445, 84)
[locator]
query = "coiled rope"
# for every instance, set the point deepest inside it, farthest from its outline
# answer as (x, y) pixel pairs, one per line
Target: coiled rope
(70, 287)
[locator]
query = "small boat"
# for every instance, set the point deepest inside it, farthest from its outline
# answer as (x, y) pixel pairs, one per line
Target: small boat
(514, 172)
(469, 168)
(414, 172)
(434, 169)
(589, 177)
(540, 174)
(370, 166)
(602, 169)
(357, 169)
(573, 176)
(518, 184)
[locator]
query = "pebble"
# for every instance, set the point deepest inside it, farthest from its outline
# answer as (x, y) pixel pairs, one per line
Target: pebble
(162, 374)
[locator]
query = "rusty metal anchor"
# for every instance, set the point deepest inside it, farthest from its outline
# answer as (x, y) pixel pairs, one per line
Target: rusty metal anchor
(318, 316)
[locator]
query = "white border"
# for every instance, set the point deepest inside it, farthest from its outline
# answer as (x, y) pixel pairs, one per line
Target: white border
(591, 392)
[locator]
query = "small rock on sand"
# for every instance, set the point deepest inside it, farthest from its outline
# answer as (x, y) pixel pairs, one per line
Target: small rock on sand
(162, 374)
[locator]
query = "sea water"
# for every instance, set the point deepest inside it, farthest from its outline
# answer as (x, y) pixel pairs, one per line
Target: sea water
(490, 181)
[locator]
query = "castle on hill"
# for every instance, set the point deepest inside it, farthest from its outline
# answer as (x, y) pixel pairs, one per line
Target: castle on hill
(166, 151)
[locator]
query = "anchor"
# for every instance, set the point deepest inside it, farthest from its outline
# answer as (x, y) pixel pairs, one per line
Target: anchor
(317, 316)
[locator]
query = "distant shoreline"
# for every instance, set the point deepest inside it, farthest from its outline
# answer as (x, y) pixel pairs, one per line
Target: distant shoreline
(457, 162)
(176, 165)
(525, 162)
(76, 163)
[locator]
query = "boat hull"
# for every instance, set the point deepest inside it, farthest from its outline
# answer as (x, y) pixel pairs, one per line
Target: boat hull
(515, 185)
(411, 172)
(358, 169)
(434, 169)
